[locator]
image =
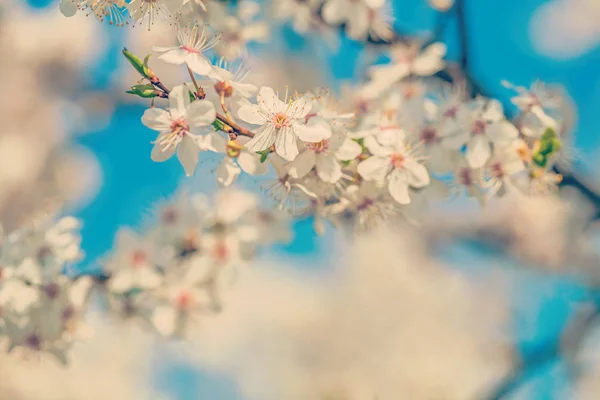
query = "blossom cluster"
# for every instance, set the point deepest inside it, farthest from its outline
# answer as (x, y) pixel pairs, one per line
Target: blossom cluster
(175, 272)
(40, 304)
(398, 142)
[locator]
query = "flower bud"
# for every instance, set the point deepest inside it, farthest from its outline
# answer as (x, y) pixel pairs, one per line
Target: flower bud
(146, 91)
(224, 89)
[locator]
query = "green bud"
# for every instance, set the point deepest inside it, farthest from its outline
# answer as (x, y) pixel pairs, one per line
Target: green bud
(539, 159)
(134, 61)
(263, 155)
(146, 91)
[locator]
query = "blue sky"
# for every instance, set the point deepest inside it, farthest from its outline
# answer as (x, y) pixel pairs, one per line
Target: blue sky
(500, 50)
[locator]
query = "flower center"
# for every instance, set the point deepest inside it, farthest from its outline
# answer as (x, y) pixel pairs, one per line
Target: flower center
(184, 300)
(190, 49)
(179, 127)
(428, 135)
(221, 253)
(319, 147)
(478, 127)
(497, 170)
(169, 216)
(51, 290)
(281, 120)
(34, 342)
(451, 112)
(138, 258)
(465, 176)
(397, 160)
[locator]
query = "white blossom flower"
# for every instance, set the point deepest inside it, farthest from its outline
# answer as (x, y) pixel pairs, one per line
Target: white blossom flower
(357, 14)
(501, 170)
(398, 164)
(282, 122)
(179, 127)
(325, 156)
(111, 10)
(229, 80)
(483, 126)
(133, 265)
(150, 9)
(236, 160)
(192, 45)
(407, 59)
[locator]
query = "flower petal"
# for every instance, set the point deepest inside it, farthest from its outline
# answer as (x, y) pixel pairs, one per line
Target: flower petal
(227, 172)
(159, 154)
(244, 89)
(502, 132)
(300, 108)
(302, 164)
(328, 168)
(478, 151)
(374, 168)
(265, 138)
(201, 113)
(269, 101)
(316, 130)
(285, 144)
(417, 174)
(250, 163)
(179, 99)
(198, 63)
(157, 119)
(188, 153)
(252, 114)
(215, 142)
(398, 187)
(430, 60)
(349, 150)
(175, 56)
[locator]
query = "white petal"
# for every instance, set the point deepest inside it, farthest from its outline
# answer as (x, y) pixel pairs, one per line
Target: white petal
(244, 89)
(502, 132)
(121, 281)
(328, 168)
(285, 144)
(175, 56)
(386, 74)
(349, 150)
(201, 113)
(250, 163)
(334, 11)
(316, 130)
(478, 151)
(374, 168)
(300, 108)
(179, 99)
(215, 142)
(265, 138)
(157, 119)
(430, 60)
(417, 174)
(398, 187)
(160, 155)
(269, 101)
(227, 172)
(199, 64)
(358, 24)
(252, 114)
(188, 153)
(147, 278)
(302, 164)
(164, 319)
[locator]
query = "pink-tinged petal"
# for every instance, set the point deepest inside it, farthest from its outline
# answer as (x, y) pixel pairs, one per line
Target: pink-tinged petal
(300, 108)
(502, 133)
(175, 56)
(316, 130)
(302, 164)
(430, 60)
(201, 113)
(349, 150)
(285, 144)
(157, 119)
(269, 101)
(252, 114)
(417, 174)
(398, 187)
(328, 168)
(215, 142)
(179, 99)
(250, 163)
(188, 153)
(265, 138)
(159, 153)
(199, 64)
(227, 172)
(374, 168)
(479, 151)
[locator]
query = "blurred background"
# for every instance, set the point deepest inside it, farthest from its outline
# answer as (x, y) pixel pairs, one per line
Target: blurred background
(73, 134)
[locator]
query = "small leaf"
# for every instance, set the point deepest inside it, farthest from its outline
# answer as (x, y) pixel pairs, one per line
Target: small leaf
(218, 125)
(264, 155)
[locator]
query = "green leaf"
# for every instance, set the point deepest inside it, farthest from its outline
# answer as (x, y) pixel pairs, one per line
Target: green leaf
(264, 155)
(146, 91)
(218, 125)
